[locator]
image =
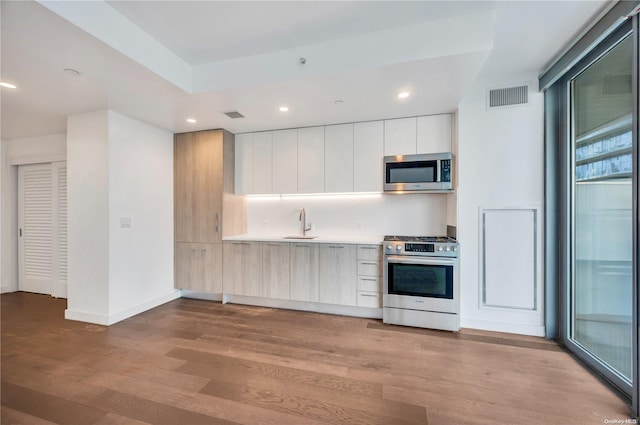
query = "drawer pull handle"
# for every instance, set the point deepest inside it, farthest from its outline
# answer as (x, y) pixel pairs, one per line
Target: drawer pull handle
(369, 279)
(302, 246)
(369, 295)
(368, 247)
(336, 246)
(240, 243)
(369, 264)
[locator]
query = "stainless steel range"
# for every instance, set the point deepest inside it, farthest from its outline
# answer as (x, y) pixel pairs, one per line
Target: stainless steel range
(421, 282)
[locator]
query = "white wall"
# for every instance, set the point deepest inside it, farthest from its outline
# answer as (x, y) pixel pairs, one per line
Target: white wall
(141, 189)
(350, 215)
(118, 167)
(501, 165)
(16, 152)
(88, 217)
(32, 150)
(3, 154)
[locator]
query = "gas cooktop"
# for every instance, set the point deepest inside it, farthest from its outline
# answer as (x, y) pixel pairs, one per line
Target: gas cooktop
(424, 246)
(428, 239)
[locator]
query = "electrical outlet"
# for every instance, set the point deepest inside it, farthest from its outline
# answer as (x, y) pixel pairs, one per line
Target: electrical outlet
(265, 224)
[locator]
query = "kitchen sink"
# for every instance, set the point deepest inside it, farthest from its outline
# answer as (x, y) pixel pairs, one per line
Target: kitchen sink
(300, 237)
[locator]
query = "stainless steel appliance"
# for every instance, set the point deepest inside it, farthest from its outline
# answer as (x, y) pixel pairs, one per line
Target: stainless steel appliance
(418, 173)
(421, 285)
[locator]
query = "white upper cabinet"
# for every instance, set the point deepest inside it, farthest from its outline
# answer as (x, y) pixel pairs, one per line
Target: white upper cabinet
(334, 158)
(400, 136)
(338, 158)
(285, 161)
(434, 133)
(368, 151)
(262, 163)
(244, 163)
(311, 160)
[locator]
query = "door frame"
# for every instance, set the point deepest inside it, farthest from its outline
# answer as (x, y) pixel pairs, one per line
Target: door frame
(56, 287)
(559, 205)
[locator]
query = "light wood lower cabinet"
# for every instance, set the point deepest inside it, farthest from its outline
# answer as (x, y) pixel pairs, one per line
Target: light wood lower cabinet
(304, 271)
(242, 270)
(276, 270)
(339, 274)
(198, 266)
(369, 276)
(337, 277)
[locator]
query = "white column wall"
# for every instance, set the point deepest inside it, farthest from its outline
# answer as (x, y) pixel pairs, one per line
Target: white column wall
(501, 165)
(3, 151)
(88, 217)
(140, 189)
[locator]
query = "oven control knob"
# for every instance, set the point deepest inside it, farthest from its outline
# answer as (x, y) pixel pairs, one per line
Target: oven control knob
(439, 248)
(398, 248)
(389, 247)
(446, 248)
(453, 248)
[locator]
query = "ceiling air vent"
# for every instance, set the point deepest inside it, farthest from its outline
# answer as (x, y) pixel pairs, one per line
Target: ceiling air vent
(507, 96)
(234, 114)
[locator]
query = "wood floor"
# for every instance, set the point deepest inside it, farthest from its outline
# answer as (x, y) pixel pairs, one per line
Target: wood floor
(193, 362)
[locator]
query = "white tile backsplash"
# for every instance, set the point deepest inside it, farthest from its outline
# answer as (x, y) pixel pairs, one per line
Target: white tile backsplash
(350, 215)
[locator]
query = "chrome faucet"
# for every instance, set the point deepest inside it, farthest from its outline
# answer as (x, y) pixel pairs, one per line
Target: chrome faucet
(303, 220)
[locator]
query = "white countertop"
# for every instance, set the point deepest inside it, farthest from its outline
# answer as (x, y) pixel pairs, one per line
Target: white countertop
(364, 239)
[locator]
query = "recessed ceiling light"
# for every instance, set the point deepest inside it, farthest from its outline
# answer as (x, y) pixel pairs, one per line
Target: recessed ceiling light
(191, 120)
(403, 95)
(283, 109)
(8, 85)
(72, 72)
(338, 101)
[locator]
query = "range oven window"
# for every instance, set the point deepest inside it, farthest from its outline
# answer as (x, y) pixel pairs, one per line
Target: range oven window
(420, 280)
(412, 172)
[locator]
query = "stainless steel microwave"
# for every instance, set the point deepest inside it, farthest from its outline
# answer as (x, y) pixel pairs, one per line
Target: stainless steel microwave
(418, 173)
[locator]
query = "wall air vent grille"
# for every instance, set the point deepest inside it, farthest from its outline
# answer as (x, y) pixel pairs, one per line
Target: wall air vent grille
(508, 96)
(234, 114)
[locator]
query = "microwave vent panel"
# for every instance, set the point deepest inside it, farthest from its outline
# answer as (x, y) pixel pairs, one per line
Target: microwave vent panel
(507, 96)
(234, 114)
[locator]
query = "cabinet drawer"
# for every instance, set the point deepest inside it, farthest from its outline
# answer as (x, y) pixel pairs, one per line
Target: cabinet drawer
(369, 268)
(369, 299)
(370, 252)
(370, 283)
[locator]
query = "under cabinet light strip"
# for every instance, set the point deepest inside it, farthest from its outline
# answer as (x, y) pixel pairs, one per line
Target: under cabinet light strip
(359, 195)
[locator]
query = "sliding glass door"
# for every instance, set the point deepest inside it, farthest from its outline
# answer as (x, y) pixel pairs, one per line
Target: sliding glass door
(600, 298)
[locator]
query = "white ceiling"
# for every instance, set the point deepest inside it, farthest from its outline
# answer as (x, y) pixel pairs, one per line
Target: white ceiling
(162, 62)
(203, 32)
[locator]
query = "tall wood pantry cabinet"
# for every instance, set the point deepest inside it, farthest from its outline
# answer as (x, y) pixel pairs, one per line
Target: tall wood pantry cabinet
(205, 207)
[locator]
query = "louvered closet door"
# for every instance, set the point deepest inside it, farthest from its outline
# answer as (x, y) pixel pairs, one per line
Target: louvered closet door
(36, 228)
(43, 228)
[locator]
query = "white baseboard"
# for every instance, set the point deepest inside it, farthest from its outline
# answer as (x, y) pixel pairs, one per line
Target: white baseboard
(5, 289)
(107, 320)
(342, 310)
(83, 316)
(201, 295)
(513, 328)
(141, 308)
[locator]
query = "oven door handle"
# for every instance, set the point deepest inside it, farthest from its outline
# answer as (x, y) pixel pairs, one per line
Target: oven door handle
(394, 259)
